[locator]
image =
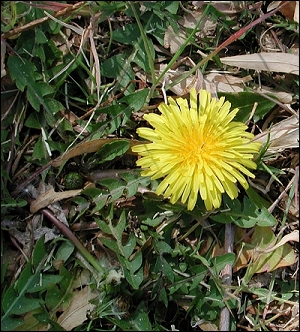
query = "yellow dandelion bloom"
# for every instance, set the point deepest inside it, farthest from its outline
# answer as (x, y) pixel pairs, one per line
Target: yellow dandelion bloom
(196, 148)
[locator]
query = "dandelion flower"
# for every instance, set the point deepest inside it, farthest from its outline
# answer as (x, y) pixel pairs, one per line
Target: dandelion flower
(196, 148)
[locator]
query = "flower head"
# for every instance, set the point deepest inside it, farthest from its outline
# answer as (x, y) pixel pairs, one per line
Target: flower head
(196, 148)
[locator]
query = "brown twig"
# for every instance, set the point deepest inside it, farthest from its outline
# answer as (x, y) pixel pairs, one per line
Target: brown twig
(224, 324)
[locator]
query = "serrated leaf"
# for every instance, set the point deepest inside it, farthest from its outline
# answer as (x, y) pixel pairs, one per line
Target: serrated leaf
(15, 301)
(39, 151)
(112, 150)
(111, 244)
(33, 121)
(136, 262)
(244, 101)
(167, 270)
(245, 216)
(67, 279)
(129, 246)
(140, 320)
(219, 262)
(133, 274)
(24, 73)
(130, 35)
(136, 100)
(117, 188)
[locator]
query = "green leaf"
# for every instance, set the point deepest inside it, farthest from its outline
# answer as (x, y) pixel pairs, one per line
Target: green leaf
(167, 269)
(53, 296)
(245, 216)
(40, 151)
(14, 304)
(129, 246)
(116, 188)
(134, 278)
(219, 262)
(45, 281)
(112, 150)
(257, 199)
(138, 321)
(136, 100)
(64, 251)
(34, 121)
(9, 323)
(67, 279)
(162, 247)
(118, 67)
(26, 280)
(24, 73)
(244, 101)
(39, 253)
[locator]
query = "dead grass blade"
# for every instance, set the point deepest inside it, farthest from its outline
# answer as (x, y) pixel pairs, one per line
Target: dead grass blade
(268, 61)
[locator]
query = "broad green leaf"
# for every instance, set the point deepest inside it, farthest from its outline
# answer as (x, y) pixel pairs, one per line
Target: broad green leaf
(111, 244)
(53, 105)
(118, 230)
(9, 323)
(34, 121)
(26, 280)
(39, 253)
(53, 296)
(166, 269)
(134, 278)
(112, 150)
(36, 92)
(14, 304)
(257, 199)
(67, 279)
(24, 73)
(136, 262)
(103, 226)
(64, 251)
(138, 321)
(119, 67)
(244, 101)
(162, 247)
(131, 35)
(40, 37)
(245, 215)
(10, 202)
(219, 262)
(40, 151)
(136, 100)
(35, 320)
(115, 189)
(129, 246)
(45, 281)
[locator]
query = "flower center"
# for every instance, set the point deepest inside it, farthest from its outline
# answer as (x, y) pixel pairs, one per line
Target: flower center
(197, 148)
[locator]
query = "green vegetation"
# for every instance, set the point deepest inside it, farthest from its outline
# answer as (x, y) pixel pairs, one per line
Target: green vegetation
(86, 242)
